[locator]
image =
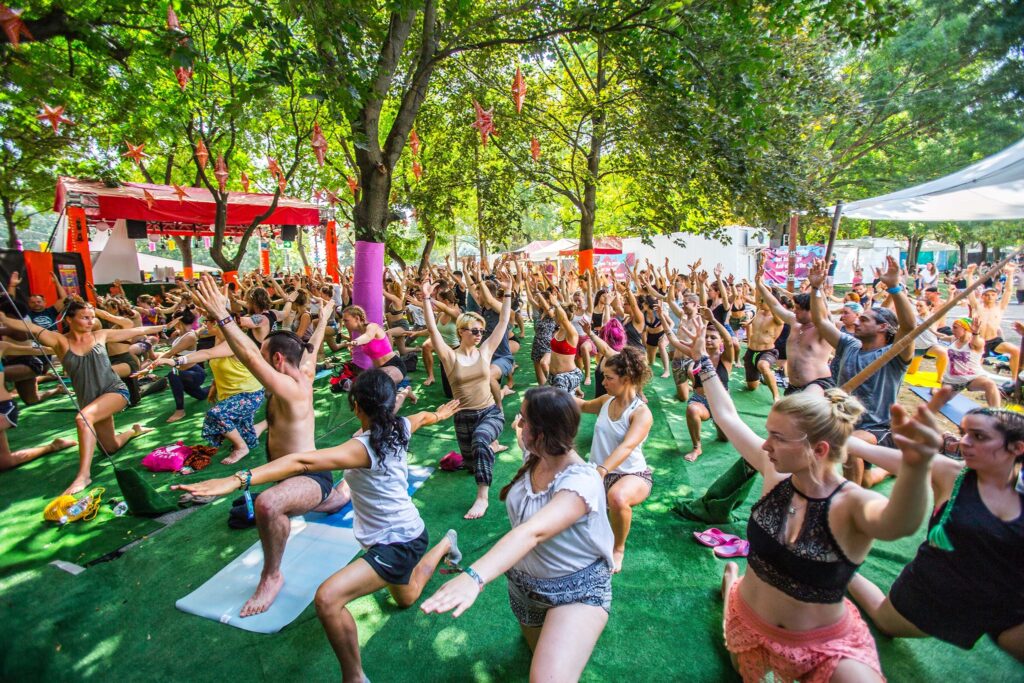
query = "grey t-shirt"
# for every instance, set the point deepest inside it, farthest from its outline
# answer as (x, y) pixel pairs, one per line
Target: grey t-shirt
(880, 390)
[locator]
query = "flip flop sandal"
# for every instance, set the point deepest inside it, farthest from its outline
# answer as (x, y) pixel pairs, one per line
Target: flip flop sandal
(713, 538)
(737, 548)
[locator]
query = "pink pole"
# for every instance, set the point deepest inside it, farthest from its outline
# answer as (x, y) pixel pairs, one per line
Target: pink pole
(368, 280)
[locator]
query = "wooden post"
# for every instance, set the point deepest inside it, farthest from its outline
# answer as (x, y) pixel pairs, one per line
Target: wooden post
(836, 218)
(794, 222)
(902, 343)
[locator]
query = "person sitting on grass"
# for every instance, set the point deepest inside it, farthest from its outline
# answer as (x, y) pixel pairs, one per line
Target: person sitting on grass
(558, 555)
(387, 524)
(963, 369)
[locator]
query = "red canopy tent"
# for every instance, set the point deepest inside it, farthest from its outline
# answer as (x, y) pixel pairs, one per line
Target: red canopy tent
(602, 245)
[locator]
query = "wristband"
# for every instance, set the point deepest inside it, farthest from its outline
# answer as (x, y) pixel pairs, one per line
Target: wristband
(895, 290)
(705, 369)
(476, 577)
(245, 477)
(224, 322)
(177, 360)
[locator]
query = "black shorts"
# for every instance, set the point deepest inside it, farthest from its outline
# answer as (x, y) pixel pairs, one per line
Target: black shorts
(883, 435)
(654, 338)
(325, 480)
(9, 409)
(750, 360)
(991, 345)
(396, 363)
(395, 562)
(825, 383)
(34, 363)
(130, 359)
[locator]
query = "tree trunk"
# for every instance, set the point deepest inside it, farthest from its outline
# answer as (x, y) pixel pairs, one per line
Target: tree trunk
(963, 252)
(428, 246)
(588, 212)
(997, 253)
(984, 252)
(185, 246)
(397, 258)
(871, 228)
(481, 241)
(12, 226)
(302, 249)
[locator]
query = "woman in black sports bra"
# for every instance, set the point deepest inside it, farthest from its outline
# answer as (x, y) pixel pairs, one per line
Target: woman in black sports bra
(810, 532)
(965, 581)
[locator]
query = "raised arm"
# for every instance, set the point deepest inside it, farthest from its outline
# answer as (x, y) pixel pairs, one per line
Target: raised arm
(827, 329)
(904, 309)
(780, 312)
(1008, 288)
(440, 345)
(123, 335)
(490, 345)
(308, 364)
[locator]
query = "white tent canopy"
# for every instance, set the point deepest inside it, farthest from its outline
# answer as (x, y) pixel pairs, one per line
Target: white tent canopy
(990, 190)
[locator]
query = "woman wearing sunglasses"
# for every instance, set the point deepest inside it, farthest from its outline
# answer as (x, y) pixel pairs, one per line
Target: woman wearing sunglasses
(479, 420)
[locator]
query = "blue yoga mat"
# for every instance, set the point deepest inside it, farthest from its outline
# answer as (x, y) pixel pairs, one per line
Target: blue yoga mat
(957, 407)
(319, 545)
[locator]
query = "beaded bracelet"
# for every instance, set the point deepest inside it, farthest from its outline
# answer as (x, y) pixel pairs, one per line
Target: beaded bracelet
(706, 369)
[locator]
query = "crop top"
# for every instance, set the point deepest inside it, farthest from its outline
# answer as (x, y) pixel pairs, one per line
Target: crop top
(378, 348)
(814, 569)
(563, 347)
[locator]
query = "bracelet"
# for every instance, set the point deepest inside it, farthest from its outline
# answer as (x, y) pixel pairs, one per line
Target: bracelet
(244, 478)
(224, 322)
(177, 360)
(705, 369)
(476, 577)
(895, 290)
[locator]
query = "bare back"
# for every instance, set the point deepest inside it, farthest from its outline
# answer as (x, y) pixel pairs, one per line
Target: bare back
(291, 420)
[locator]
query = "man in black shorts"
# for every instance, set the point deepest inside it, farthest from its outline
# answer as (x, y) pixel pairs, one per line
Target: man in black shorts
(22, 371)
(285, 365)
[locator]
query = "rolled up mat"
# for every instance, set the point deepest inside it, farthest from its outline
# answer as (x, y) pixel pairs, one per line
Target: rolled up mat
(723, 496)
(143, 500)
(368, 280)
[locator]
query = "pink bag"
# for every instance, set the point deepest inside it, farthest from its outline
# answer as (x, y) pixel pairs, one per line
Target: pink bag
(451, 462)
(167, 458)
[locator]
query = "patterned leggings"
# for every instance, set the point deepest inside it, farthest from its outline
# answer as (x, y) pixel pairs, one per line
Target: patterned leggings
(234, 412)
(475, 430)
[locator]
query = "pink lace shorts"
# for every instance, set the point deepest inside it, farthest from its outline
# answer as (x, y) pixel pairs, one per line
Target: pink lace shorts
(808, 656)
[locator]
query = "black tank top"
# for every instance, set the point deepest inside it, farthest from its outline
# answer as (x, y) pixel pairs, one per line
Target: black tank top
(633, 337)
(988, 557)
(720, 370)
(814, 569)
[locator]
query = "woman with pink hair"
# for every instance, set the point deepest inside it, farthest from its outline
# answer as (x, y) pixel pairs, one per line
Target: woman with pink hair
(611, 340)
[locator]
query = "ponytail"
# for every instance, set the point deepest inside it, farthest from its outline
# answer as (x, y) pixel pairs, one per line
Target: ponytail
(937, 537)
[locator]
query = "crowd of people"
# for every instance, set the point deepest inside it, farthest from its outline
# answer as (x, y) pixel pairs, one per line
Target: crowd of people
(597, 341)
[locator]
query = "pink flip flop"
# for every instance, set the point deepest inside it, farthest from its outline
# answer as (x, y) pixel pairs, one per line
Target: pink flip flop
(737, 548)
(713, 538)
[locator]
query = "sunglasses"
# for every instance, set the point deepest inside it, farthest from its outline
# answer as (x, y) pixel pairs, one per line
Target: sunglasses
(476, 331)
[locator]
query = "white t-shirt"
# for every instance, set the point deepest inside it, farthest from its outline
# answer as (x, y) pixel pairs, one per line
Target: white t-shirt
(589, 539)
(609, 434)
(381, 505)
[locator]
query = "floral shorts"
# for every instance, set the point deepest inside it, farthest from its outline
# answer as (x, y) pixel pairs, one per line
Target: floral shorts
(531, 598)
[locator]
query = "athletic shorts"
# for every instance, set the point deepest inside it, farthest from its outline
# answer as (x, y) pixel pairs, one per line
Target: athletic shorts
(991, 345)
(395, 562)
(34, 363)
(958, 382)
(129, 359)
(613, 478)
(750, 360)
(396, 363)
(569, 381)
(325, 480)
(825, 383)
(883, 435)
(504, 363)
(531, 597)
(681, 368)
(9, 409)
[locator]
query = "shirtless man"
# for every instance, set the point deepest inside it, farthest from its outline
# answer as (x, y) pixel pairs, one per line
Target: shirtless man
(285, 366)
(688, 318)
(987, 312)
(762, 331)
(807, 353)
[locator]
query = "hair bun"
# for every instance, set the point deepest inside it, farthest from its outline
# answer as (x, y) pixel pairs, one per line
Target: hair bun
(845, 407)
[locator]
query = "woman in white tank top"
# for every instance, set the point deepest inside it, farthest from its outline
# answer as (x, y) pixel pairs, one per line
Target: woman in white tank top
(623, 423)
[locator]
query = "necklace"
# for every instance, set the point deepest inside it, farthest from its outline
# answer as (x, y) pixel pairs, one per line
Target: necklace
(793, 510)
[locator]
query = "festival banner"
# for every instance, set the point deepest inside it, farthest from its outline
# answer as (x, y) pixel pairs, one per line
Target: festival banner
(776, 265)
(68, 275)
(615, 265)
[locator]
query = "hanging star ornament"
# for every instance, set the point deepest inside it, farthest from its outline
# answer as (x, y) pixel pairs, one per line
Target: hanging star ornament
(172, 19)
(181, 192)
(332, 198)
(414, 143)
(221, 173)
(202, 154)
(319, 143)
(14, 27)
(281, 182)
(135, 152)
(55, 115)
(353, 185)
(272, 167)
(245, 182)
(184, 75)
(519, 90)
(484, 122)
(535, 149)
(148, 197)
(318, 195)
(417, 170)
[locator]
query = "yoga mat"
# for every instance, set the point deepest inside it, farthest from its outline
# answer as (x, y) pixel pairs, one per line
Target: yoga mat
(957, 407)
(368, 280)
(923, 378)
(318, 546)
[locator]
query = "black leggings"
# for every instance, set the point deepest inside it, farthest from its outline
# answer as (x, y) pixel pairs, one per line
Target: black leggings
(189, 382)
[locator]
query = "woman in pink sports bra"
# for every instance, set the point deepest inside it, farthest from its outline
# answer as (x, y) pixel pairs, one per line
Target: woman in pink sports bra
(370, 340)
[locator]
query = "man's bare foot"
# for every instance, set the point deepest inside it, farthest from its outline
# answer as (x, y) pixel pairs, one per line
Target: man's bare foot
(428, 381)
(60, 444)
(139, 430)
(693, 455)
(617, 556)
(411, 395)
(498, 447)
(77, 486)
(264, 596)
(175, 416)
(478, 510)
(505, 392)
(586, 382)
(235, 455)
(665, 374)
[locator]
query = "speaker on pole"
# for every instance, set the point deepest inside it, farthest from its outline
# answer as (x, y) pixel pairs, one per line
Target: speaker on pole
(289, 233)
(136, 229)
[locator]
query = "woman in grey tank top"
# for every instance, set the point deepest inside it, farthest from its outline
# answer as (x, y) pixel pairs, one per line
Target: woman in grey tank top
(99, 391)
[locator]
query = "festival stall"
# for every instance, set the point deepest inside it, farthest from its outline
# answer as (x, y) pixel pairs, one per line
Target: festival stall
(133, 211)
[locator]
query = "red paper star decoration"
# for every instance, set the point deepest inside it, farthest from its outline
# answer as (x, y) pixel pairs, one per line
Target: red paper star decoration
(281, 182)
(184, 75)
(332, 198)
(245, 182)
(181, 192)
(484, 122)
(518, 90)
(55, 115)
(414, 142)
(221, 173)
(535, 149)
(319, 143)
(272, 167)
(318, 195)
(202, 154)
(417, 170)
(14, 27)
(135, 152)
(148, 197)
(172, 19)
(353, 185)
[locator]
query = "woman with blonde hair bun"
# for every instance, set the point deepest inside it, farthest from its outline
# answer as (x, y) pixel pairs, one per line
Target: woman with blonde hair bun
(810, 531)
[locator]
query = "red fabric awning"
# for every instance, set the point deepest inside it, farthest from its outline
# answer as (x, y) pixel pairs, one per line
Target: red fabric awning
(192, 214)
(602, 245)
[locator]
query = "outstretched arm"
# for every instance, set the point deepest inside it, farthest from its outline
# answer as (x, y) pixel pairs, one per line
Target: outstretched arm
(827, 329)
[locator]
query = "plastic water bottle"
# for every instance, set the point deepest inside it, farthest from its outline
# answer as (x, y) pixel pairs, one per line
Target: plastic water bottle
(76, 510)
(121, 509)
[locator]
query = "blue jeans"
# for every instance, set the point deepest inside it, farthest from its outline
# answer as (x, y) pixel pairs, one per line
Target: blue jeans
(188, 382)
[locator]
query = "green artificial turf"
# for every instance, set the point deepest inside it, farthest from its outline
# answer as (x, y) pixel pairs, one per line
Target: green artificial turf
(117, 620)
